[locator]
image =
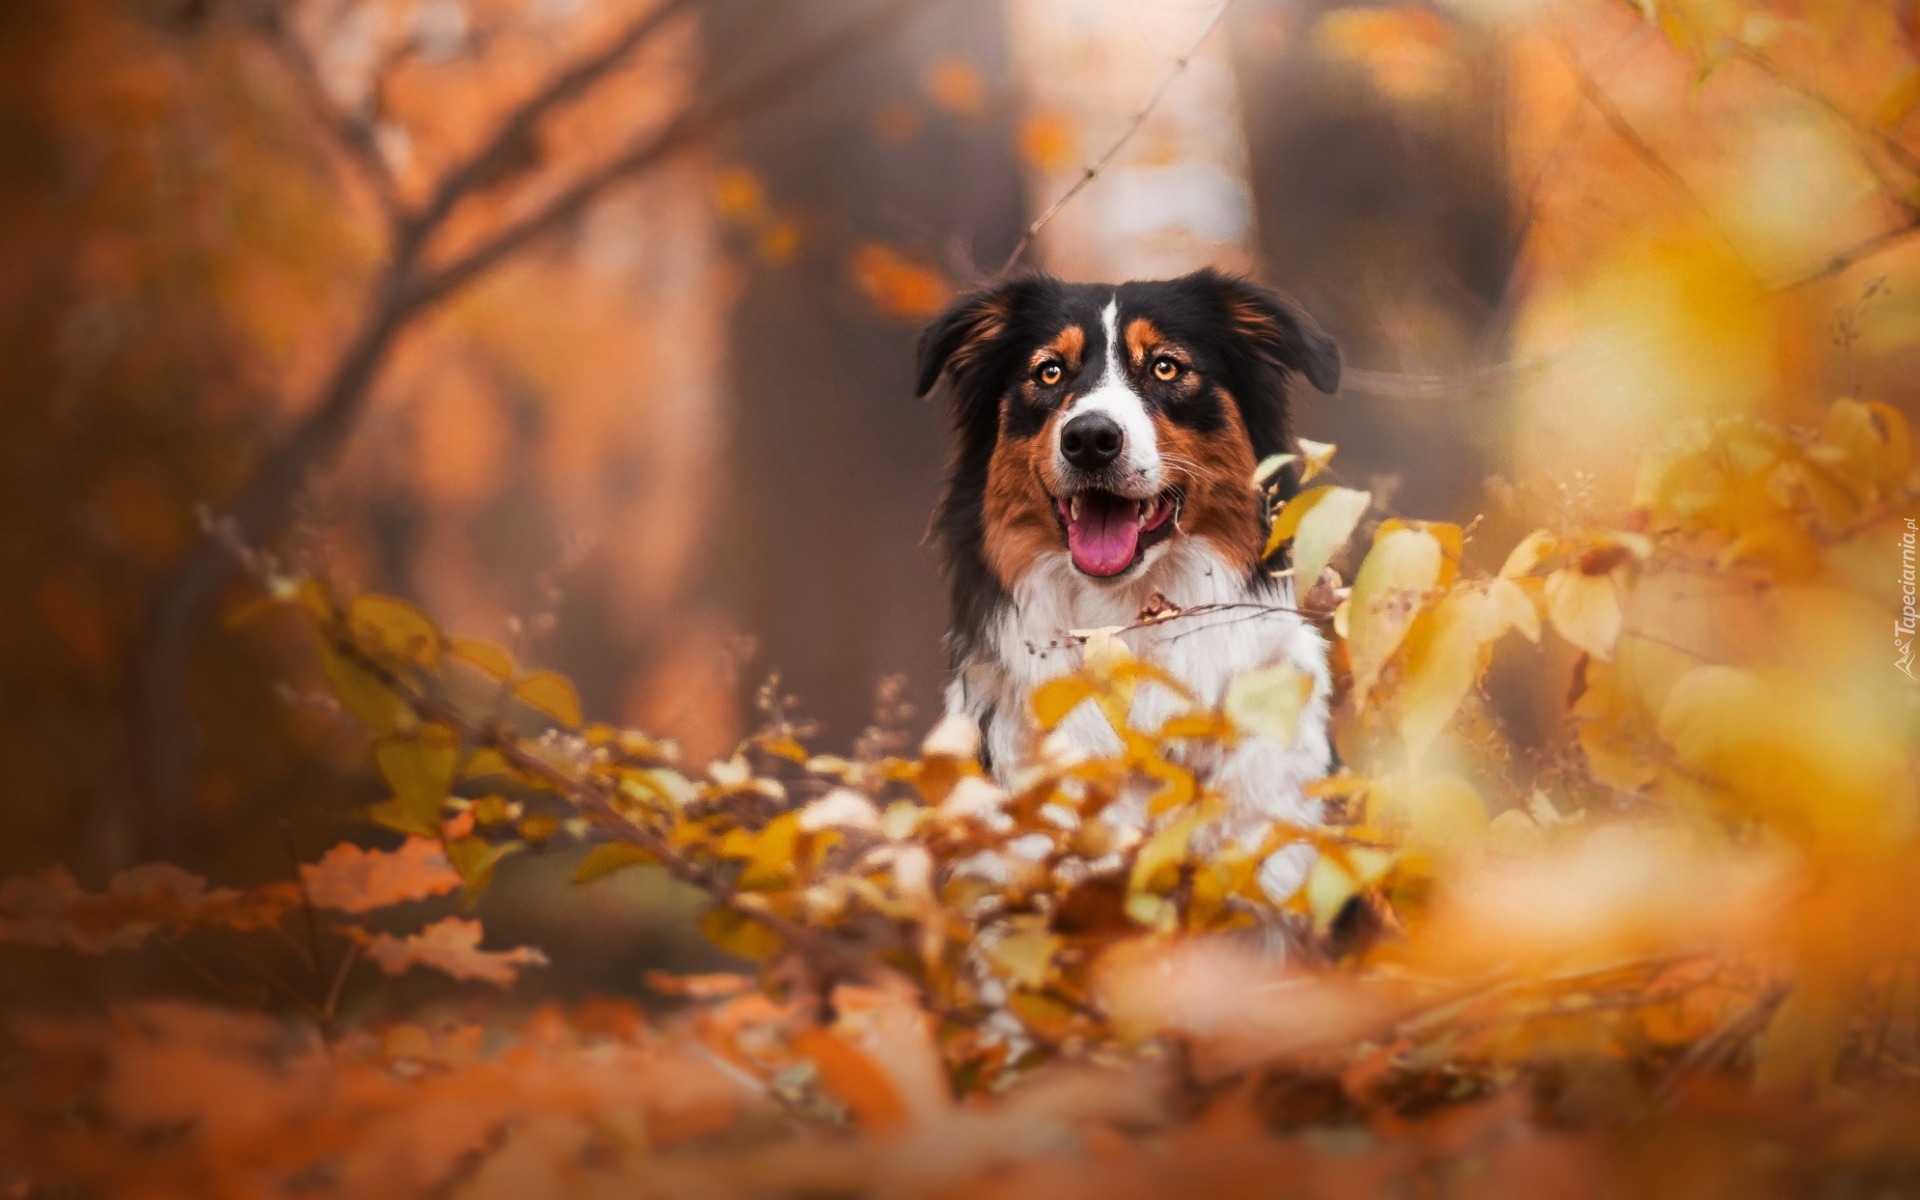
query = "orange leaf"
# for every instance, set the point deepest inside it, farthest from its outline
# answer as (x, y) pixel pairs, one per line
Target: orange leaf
(350, 879)
(853, 1079)
(450, 946)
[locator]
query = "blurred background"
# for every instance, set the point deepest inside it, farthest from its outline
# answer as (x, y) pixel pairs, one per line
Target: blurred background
(589, 324)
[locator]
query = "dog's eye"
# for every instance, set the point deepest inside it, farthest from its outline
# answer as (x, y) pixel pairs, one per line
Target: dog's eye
(1166, 368)
(1049, 374)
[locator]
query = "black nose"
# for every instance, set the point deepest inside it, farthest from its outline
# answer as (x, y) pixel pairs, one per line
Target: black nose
(1091, 441)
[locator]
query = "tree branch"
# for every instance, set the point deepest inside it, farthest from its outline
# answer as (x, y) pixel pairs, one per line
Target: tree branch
(1847, 258)
(490, 163)
(1139, 117)
(353, 136)
(161, 729)
(1624, 130)
(599, 804)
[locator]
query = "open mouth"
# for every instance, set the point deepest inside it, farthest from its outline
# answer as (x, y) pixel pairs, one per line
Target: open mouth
(1108, 533)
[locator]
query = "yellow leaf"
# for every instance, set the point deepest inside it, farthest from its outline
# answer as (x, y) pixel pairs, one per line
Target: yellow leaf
(1269, 701)
(1440, 811)
(1451, 537)
(770, 865)
(1155, 867)
(1388, 592)
(1585, 609)
(1105, 654)
(1332, 883)
(484, 762)
(484, 655)
(1055, 698)
(1270, 467)
(1024, 955)
(608, 857)
(419, 767)
(1314, 457)
(551, 693)
(1509, 606)
(1445, 653)
(386, 625)
(1319, 520)
(1528, 555)
(739, 935)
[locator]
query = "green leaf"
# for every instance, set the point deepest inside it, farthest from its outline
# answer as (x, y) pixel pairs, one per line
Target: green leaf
(363, 693)
(386, 625)
(419, 767)
(475, 858)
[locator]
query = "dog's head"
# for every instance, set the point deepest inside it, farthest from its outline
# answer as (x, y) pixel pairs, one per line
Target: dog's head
(1110, 420)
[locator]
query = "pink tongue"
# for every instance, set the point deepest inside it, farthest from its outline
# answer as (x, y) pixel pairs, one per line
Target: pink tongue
(1103, 540)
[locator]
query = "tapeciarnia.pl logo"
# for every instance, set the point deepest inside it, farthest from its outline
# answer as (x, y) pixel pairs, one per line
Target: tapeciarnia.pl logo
(1903, 626)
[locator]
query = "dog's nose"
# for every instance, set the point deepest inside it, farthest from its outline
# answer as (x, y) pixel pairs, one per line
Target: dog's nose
(1091, 441)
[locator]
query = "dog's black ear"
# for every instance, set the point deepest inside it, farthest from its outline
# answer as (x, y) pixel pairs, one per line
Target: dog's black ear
(963, 334)
(1287, 335)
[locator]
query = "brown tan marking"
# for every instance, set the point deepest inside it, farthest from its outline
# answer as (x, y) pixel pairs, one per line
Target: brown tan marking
(987, 323)
(1215, 471)
(1142, 337)
(1019, 516)
(1068, 346)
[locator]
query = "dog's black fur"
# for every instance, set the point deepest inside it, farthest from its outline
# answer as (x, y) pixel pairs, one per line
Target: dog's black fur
(1246, 340)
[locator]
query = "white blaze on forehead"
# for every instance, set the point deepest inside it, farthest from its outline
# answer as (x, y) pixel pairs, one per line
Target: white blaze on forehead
(1117, 399)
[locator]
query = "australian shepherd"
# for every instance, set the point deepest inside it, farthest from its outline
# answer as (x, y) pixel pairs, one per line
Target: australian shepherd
(1107, 437)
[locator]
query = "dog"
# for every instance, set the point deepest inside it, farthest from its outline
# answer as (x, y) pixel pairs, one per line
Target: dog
(1106, 438)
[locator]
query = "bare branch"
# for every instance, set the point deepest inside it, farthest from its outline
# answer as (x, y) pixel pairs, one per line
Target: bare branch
(1139, 117)
(1846, 259)
(488, 164)
(354, 137)
(1907, 159)
(1624, 130)
(691, 125)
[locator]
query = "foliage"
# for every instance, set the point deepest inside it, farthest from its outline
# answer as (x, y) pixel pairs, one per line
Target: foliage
(950, 978)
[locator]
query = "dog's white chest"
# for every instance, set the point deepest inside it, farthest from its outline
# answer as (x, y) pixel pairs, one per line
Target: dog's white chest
(1228, 628)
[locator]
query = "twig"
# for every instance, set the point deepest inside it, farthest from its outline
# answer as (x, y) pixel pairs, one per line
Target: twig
(693, 123)
(1624, 130)
(1889, 145)
(600, 806)
(1139, 117)
(316, 959)
(1846, 259)
(353, 136)
(332, 1006)
(489, 164)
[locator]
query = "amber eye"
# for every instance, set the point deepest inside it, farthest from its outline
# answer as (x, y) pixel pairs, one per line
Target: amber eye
(1049, 374)
(1166, 368)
